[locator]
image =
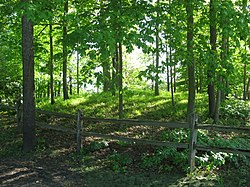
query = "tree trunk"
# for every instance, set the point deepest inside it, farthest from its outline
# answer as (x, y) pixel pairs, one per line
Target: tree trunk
(170, 61)
(245, 82)
(224, 55)
(248, 89)
(51, 70)
(120, 82)
(70, 84)
(115, 60)
(65, 53)
(29, 133)
(48, 90)
(211, 89)
(113, 89)
(190, 60)
(59, 87)
(171, 77)
(217, 104)
(152, 78)
(157, 56)
(245, 57)
(167, 64)
(175, 87)
(77, 74)
(201, 79)
(245, 74)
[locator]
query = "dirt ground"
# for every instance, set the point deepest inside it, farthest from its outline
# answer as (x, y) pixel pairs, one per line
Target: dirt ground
(55, 172)
(55, 163)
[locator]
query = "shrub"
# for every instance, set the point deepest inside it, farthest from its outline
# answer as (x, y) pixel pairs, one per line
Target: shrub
(235, 112)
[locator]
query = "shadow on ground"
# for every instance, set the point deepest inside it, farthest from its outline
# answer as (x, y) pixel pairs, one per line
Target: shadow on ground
(23, 172)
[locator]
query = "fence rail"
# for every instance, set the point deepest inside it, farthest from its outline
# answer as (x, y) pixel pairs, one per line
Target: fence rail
(193, 126)
(224, 128)
(138, 122)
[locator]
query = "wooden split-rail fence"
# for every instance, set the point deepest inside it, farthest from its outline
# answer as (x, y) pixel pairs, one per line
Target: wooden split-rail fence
(81, 120)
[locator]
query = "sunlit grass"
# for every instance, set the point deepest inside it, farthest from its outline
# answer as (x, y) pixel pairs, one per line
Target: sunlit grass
(138, 104)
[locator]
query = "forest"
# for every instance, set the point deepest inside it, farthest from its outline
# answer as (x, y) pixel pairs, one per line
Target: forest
(125, 61)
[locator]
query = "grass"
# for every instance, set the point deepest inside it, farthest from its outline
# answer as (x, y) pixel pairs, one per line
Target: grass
(137, 104)
(142, 104)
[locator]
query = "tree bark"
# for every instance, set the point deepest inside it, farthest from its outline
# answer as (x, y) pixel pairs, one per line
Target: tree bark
(29, 133)
(171, 78)
(245, 73)
(115, 60)
(248, 89)
(174, 74)
(190, 60)
(77, 74)
(211, 88)
(120, 82)
(167, 64)
(51, 69)
(70, 84)
(114, 79)
(65, 53)
(245, 60)
(156, 87)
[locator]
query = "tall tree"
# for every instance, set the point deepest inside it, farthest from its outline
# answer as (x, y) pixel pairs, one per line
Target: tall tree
(120, 85)
(171, 57)
(77, 74)
(157, 57)
(29, 134)
(190, 59)
(244, 11)
(52, 94)
(211, 65)
(65, 52)
(224, 27)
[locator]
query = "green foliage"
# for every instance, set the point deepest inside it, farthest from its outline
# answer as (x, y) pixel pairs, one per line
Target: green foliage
(176, 135)
(212, 161)
(165, 160)
(235, 112)
(41, 145)
(94, 146)
(120, 162)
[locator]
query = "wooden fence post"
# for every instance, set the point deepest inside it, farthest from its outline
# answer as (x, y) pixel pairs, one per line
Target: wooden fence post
(19, 114)
(193, 139)
(78, 132)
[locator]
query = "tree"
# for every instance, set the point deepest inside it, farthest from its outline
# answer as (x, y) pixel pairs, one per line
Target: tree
(29, 134)
(52, 94)
(211, 66)
(120, 82)
(65, 52)
(157, 51)
(245, 35)
(190, 59)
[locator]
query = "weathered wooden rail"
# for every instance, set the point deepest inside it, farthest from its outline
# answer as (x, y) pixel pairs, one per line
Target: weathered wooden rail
(81, 120)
